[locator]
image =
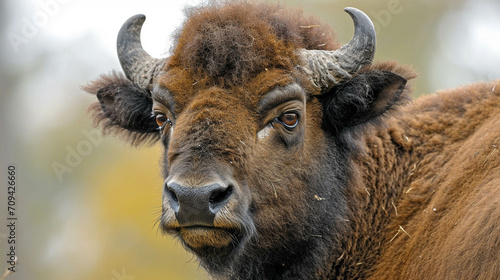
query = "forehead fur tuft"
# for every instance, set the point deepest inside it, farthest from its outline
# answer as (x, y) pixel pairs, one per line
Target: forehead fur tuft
(228, 43)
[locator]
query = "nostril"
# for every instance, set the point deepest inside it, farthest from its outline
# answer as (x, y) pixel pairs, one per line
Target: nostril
(172, 194)
(221, 195)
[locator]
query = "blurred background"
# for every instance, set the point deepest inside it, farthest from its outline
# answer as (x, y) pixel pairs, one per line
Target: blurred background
(87, 204)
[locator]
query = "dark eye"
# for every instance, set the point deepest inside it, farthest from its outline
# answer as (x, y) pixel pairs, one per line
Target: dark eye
(289, 120)
(162, 120)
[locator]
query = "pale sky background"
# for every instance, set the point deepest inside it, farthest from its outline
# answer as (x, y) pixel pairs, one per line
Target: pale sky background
(97, 221)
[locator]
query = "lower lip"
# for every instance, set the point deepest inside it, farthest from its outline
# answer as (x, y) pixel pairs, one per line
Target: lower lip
(203, 236)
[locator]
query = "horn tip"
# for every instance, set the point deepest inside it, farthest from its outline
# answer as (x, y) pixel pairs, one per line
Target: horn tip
(350, 9)
(133, 25)
(362, 21)
(139, 18)
(129, 47)
(356, 13)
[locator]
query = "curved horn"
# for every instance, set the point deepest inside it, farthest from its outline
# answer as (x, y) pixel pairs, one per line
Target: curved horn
(137, 64)
(328, 68)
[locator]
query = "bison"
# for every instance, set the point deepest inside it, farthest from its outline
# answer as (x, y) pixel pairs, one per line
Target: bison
(287, 156)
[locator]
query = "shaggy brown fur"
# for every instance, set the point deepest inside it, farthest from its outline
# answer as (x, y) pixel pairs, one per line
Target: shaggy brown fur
(450, 206)
(239, 44)
(365, 186)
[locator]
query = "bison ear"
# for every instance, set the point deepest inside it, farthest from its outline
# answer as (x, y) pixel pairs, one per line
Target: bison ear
(123, 108)
(362, 99)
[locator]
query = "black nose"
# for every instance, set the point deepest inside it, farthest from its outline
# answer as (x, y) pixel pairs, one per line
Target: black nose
(197, 206)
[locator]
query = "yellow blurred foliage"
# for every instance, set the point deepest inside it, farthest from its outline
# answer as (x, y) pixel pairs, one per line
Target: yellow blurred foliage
(127, 199)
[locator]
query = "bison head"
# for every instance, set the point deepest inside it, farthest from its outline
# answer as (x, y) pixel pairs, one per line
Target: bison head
(256, 110)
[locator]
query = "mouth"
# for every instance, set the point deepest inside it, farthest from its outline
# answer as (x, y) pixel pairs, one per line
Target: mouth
(201, 236)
